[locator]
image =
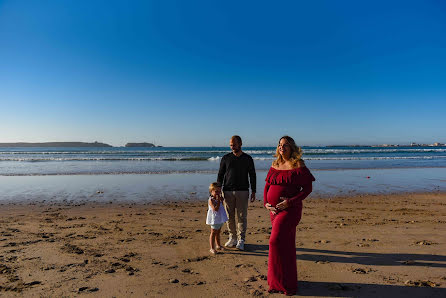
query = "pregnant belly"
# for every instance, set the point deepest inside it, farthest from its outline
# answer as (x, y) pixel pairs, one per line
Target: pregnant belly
(274, 194)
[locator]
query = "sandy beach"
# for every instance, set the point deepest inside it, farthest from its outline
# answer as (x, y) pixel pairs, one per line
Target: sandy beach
(362, 246)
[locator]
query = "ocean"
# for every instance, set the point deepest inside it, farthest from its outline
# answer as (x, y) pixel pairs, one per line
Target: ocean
(122, 160)
(183, 173)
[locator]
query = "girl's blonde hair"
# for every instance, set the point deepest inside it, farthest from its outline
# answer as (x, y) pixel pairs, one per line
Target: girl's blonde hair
(295, 157)
(213, 186)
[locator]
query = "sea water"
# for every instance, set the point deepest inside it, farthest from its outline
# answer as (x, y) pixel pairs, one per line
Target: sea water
(152, 174)
(122, 160)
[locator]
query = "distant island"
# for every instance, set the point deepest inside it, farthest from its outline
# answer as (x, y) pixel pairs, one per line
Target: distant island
(55, 144)
(140, 145)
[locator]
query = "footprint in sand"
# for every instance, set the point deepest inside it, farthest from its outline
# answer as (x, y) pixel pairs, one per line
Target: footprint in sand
(243, 265)
(197, 259)
(87, 289)
(187, 270)
(69, 248)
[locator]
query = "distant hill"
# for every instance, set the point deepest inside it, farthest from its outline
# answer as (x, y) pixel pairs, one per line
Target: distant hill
(139, 145)
(55, 144)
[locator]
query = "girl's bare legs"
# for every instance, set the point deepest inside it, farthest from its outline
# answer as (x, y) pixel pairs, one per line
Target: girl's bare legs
(212, 239)
(217, 240)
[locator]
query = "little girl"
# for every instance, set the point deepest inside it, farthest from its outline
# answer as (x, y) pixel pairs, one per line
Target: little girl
(216, 216)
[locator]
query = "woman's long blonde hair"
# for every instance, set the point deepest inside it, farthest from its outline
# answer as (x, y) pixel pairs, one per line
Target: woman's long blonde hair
(295, 157)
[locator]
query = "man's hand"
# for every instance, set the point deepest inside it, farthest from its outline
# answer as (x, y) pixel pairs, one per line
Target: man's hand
(271, 209)
(253, 197)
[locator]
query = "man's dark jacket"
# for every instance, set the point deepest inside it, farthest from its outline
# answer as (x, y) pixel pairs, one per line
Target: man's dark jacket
(234, 172)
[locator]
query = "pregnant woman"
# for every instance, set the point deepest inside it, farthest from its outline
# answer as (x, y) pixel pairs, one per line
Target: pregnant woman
(288, 182)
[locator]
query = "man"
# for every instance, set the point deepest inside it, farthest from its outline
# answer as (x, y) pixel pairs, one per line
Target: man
(235, 168)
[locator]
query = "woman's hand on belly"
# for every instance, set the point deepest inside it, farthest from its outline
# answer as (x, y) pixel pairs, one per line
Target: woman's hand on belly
(271, 208)
(282, 205)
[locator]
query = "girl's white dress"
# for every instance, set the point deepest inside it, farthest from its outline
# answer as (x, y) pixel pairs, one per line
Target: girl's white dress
(216, 217)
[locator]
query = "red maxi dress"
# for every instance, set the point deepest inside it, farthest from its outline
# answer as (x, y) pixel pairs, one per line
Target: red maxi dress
(295, 185)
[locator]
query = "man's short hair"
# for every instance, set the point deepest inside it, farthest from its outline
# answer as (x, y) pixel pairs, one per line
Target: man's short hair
(237, 138)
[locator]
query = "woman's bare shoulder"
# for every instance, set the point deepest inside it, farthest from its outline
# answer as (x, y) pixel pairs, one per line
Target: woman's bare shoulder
(301, 163)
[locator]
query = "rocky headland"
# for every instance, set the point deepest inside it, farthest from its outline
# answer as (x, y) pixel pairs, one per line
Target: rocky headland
(55, 144)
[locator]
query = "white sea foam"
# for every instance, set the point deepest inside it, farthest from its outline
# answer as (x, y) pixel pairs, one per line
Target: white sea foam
(106, 159)
(259, 151)
(216, 158)
(375, 158)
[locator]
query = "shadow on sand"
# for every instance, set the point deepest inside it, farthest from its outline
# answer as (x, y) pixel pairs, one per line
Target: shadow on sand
(328, 289)
(260, 250)
(367, 258)
(349, 257)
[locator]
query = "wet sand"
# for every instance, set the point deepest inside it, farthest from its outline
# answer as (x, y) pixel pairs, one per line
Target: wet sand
(361, 246)
(145, 188)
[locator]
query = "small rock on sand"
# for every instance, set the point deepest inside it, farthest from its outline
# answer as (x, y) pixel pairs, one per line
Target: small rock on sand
(173, 280)
(363, 245)
(424, 242)
(256, 292)
(420, 283)
(359, 271)
(250, 279)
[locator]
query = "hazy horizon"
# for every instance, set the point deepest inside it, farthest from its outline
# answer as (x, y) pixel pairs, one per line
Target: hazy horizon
(227, 145)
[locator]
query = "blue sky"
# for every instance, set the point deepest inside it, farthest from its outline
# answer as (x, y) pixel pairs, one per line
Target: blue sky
(193, 73)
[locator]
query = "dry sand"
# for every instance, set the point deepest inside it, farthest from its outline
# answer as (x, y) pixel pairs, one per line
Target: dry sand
(365, 246)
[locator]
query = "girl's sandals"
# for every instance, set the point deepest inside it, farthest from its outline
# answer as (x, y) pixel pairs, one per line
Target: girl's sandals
(219, 248)
(213, 251)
